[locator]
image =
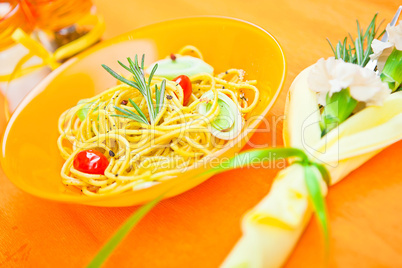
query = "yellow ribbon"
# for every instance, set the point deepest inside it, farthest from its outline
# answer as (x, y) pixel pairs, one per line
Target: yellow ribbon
(52, 59)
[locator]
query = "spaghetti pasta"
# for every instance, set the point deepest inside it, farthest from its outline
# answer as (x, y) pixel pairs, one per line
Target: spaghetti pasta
(141, 154)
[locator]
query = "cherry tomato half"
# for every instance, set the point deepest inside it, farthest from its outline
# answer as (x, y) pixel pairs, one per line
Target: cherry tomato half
(185, 84)
(91, 162)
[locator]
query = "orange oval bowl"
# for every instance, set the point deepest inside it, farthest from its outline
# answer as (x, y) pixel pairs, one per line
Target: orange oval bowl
(30, 156)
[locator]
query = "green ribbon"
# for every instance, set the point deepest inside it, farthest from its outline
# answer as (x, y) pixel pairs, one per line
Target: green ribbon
(132, 221)
(243, 159)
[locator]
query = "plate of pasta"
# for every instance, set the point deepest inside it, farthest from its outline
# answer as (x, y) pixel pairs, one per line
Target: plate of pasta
(144, 114)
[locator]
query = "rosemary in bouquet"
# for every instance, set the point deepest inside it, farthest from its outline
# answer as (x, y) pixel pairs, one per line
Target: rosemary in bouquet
(341, 87)
(339, 102)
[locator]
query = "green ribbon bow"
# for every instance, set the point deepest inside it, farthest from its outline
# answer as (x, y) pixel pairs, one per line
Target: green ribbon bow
(243, 159)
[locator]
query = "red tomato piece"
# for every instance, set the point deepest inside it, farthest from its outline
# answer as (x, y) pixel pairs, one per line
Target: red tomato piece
(91, 162)
(185, 84)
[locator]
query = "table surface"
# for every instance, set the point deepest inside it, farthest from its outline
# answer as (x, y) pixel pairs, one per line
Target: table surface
(199, 227)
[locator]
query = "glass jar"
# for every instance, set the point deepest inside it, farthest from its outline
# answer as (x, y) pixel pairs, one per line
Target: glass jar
(57, 20)
(54, 23)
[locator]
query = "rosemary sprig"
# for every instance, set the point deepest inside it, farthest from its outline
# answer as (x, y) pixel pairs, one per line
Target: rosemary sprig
(143, 87)
(126, 113)
(341, 104)
(361, 49)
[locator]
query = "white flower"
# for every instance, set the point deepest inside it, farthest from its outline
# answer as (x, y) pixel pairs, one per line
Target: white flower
(331, 75)
(395, 35)
(381, 50)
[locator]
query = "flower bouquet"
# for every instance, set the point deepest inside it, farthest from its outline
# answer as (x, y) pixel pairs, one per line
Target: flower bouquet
(340, 113)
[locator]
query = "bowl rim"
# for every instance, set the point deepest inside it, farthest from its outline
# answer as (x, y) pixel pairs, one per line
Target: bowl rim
(113, 40)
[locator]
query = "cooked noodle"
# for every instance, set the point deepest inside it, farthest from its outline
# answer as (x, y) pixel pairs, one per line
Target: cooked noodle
(140, 154)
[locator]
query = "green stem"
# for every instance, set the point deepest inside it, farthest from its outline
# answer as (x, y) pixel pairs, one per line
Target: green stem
(338, 108)
(150, 105)
(113, 242)
(318, 201)
(240, 160)
(392, 72)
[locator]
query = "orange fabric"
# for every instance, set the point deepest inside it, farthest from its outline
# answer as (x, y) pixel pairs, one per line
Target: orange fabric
(198, 228)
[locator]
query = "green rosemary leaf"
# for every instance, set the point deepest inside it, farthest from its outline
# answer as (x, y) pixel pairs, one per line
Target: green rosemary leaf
(338, 51)
(344, 55)
(161, 95)
(119, 77)
(351, 57)
(131, 115)
(358, 44)
(143, 87)
(359, 33)
(360, 50)
(151, 108)
(151, 75)
(371, 26)
(138, 109)
(124, 66)
(368, 51)
(125, 116)
(332, 47)
(142, 62)
(157, 97)
(137, 75)
(157, 93)
(126, 112)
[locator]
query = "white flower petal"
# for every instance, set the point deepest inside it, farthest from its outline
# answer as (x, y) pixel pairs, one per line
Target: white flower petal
(379, 48)
(330, 76)
(381, 51)
(395, 35)
(365, 85)
(318, 79)
(321, 98)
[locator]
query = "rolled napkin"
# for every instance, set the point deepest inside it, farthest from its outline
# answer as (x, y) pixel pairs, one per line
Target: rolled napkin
(272, 228)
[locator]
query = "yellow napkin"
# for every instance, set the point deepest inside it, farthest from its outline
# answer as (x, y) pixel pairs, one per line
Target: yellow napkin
(272, 228)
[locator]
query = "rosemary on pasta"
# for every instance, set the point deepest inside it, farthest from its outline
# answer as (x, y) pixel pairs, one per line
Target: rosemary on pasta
(140, 153)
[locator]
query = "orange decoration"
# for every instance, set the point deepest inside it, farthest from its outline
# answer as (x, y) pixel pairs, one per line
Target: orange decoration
(12, 16)
(54, 15)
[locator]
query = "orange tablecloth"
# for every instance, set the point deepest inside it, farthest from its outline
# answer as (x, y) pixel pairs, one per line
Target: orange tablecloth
(198, 228)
